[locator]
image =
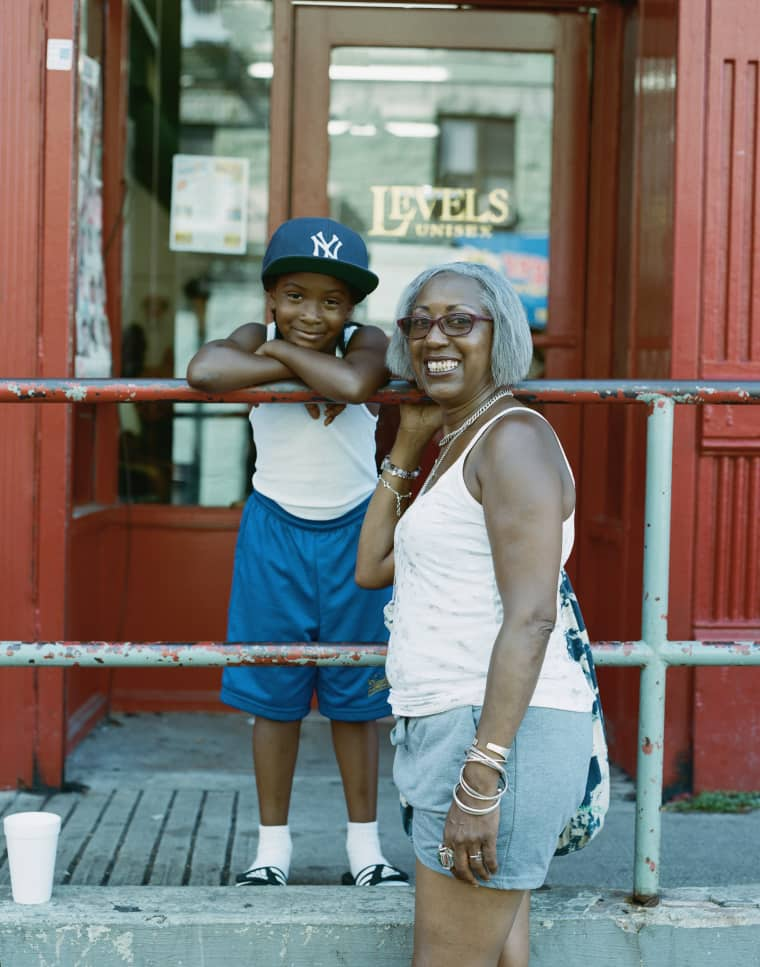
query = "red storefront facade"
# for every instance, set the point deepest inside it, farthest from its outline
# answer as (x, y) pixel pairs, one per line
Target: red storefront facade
(654, 207)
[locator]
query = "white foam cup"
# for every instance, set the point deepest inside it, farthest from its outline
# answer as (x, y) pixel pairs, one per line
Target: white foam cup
(31, 839)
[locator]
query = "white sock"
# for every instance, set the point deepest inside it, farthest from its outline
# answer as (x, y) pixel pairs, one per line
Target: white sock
(363, 846)
(275, 848)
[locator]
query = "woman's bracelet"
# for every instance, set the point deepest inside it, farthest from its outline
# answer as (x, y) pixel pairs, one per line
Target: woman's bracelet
(399, 497)
(395, 471)
(474, 754)
(501, 787)
(500, 750)
(471, 810)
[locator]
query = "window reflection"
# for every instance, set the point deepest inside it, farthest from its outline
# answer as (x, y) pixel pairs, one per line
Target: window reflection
(191, 92)
(455, 150)
(434, 155)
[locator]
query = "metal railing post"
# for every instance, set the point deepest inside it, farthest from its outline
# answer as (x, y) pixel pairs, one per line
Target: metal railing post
(654, 631)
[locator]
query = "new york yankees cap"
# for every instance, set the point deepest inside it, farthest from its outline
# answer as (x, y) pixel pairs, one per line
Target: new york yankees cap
(319, 245)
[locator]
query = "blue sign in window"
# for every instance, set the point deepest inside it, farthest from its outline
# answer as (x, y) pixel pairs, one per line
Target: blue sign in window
(524, 259)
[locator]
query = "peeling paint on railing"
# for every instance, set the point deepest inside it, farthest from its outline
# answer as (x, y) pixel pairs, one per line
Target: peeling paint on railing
(397, 391)
(89, 654)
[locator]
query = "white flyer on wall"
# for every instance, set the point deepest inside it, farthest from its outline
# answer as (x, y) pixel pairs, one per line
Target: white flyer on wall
(93, 335)
(209, 204)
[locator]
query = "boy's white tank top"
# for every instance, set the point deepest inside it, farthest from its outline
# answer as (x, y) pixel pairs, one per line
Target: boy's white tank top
(447, 610)
(314, 471)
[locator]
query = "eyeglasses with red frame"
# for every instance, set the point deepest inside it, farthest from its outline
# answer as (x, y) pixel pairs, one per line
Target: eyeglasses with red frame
(451, 324)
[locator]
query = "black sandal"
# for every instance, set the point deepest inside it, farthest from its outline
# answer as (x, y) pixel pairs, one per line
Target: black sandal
(262, 876)
(375, 875)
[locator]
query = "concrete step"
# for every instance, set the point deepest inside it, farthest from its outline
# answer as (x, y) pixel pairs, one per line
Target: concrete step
(165, 815)
(306, 926)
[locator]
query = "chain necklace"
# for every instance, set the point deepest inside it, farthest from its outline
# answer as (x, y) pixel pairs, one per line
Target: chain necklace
(448, 439)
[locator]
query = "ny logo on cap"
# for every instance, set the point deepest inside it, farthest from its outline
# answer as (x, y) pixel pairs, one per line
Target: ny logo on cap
(328, 250)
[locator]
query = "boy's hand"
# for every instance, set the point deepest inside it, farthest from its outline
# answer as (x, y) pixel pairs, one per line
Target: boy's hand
(331, 411)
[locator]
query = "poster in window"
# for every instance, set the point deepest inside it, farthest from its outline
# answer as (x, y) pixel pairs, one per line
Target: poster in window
(93, 336)
(209, 204)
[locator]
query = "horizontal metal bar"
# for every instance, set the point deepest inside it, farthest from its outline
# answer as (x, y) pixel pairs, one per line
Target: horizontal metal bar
(632, 653)
(710, 652)
(101, 654)
(215, 653)
(397, 391)
(621, 654)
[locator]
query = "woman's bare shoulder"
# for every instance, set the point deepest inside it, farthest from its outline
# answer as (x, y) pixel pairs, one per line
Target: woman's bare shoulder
(521, 449)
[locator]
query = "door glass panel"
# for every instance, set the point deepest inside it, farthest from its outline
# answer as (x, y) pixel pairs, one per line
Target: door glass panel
(192, 93)
(442, 155)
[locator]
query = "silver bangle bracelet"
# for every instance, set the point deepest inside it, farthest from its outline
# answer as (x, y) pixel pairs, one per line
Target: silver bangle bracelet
(475, 755)
(471, 810)
(501, 788)
(500, 750)
(395, 471)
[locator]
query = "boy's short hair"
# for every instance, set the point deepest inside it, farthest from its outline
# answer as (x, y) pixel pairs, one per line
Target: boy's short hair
(319, 245)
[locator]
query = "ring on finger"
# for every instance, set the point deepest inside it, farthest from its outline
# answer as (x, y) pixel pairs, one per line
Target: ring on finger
(476, 856)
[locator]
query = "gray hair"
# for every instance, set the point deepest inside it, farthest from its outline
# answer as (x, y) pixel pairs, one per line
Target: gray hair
(512, 347)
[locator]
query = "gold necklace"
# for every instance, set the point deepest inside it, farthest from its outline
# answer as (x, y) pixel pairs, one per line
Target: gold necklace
(448, 439)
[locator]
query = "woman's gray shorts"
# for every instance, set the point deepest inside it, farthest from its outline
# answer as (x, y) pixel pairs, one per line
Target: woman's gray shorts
(547, 770)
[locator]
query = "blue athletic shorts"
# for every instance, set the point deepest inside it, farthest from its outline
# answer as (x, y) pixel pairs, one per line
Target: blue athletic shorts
(294, 581)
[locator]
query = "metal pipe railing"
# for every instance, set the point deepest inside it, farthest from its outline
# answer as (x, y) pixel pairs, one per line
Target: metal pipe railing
(654, 653)
(177, 654)
(90, 391)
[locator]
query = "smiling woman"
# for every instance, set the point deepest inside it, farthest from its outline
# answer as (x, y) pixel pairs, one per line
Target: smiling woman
(480, 655)
(493, 299)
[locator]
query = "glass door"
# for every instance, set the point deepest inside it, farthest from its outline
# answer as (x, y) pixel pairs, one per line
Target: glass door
(471, 144)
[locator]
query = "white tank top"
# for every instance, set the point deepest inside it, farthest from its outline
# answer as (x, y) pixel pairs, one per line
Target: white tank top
(314, 471)
(447, 610)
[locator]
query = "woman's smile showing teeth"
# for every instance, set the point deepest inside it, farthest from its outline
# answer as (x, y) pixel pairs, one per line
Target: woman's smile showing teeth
(439, 366)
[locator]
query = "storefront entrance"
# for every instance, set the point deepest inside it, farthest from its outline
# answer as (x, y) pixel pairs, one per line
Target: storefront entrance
(471, 142)
(539, 135)
(438, 134)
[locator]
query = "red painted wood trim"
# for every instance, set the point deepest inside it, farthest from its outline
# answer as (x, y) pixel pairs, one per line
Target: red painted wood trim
(280, 106)
(58, 294)
(599, 537)
(115, 81)
(23, 51)
(687, 291)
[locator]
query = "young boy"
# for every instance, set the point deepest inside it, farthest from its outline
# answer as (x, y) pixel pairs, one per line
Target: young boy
(296, 551)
